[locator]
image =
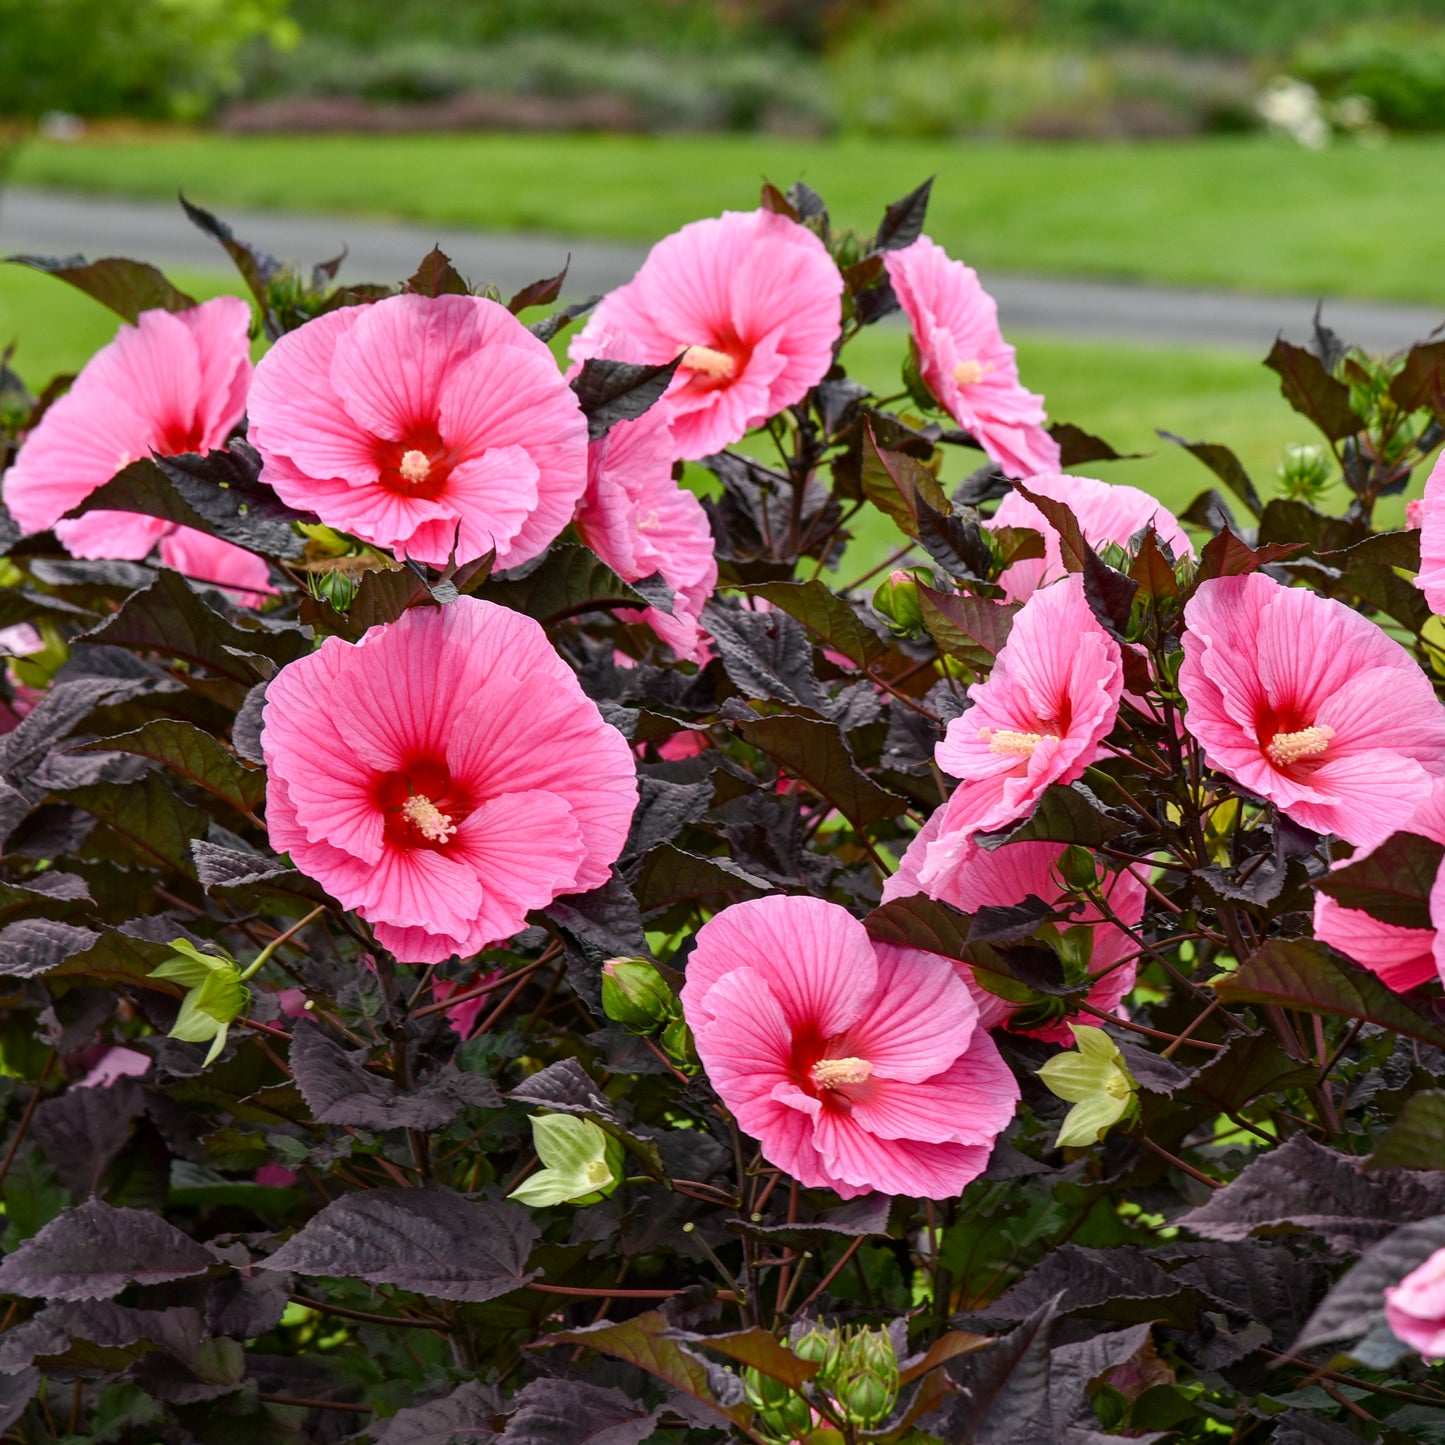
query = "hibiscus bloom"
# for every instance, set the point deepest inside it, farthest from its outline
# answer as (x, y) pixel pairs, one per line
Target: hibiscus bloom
(1008, 875)
(964, 360)
(407, 420)
(172, 383)
(1307, 704)
(1105, 514)
(1428, 514)
(1415, 1308)
(443, 776)
(857, 1066)
(1402, 958)
(640, 521)
(752, 303)
(1039, 719)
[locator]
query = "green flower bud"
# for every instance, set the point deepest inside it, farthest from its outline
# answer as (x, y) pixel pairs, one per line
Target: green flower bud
(764, 1391)
(215, 995)
(822, 1346)
(678, 1046)
(896, 597)
(788, 1421)
(1095, 1079)
(867, 1382)
(336, 587)
(1078, 868)
(1305, 471)
(635, 995)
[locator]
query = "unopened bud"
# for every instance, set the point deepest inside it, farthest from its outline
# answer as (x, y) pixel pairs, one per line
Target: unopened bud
(678, 1046)
(820, 1345)
(896, 597)
(635, 995)
(1077, 868)
(867, 1383)
(1305, 470)
(764, 1391)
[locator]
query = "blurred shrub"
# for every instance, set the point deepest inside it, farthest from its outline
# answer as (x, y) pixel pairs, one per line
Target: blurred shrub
(1224, 27)
(727, 90)
(162, 58)
(1400, 71)
(675, 24)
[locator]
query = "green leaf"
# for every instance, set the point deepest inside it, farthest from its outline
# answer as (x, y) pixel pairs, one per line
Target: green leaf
(581, 1163)
(1302, 973)
(814, 750)
(827, 616)
(1417, 1137)
(194, 754)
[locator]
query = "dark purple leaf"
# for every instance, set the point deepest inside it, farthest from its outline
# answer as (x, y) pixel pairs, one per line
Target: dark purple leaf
(1391, 883)
(436, 276)
(94, 1251)
(902, 222)
(1226, 466)
(1312, 391)
(430, 1241)
(127, 287)
(539, 293)
(613, 391)
(571, 1412)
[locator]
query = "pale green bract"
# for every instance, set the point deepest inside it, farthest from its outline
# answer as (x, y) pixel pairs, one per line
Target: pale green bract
(215, 996)
(582, 1163)
(1095, 1079)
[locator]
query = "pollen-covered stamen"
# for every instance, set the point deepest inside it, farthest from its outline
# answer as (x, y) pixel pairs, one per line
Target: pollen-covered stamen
(1010, 744)
(830, 1073)
(1287, 748)
(968, 372)
(717, 365)
(415, 466)
(429, 820)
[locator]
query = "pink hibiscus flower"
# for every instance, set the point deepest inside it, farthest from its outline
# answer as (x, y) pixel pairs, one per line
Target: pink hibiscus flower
(752, 303)
(1415, 1308)
(1039, 719)
(403, 421)
(1428, 514)
(640, 521)
(1008, 875)
(443, 776)
(1307, 704)
(1105, 514)
(170, 384)
(1402, 958)
(964, 360)
(857, 1066)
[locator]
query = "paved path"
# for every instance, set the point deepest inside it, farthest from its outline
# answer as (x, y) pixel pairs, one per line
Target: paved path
(55, 223)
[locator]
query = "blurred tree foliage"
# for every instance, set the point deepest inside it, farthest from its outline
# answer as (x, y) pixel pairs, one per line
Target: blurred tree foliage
(155, 58)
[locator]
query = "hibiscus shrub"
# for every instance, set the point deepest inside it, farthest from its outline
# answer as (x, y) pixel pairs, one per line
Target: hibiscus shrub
(497, 947)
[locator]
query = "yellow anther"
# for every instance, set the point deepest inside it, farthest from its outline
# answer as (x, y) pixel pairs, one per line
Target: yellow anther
(968, 372)
(1287, 748)
(1010, 744)
(415, 466)
(428, 819)
(715, 364)
(830, 1073)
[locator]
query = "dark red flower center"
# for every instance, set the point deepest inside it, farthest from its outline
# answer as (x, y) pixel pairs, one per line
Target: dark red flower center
(422, 805)
(417, 466)
(1293, 743)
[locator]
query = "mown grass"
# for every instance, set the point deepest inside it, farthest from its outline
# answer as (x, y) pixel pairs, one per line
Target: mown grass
(1246, 212)
(1119, 392)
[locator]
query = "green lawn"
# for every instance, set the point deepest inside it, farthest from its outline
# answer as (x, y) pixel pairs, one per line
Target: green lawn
(1247, 212)
(1118, 392)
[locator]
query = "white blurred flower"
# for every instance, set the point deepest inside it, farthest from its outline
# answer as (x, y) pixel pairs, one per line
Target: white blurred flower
(1292, 108)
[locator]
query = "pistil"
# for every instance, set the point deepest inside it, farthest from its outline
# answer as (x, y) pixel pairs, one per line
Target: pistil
(1287, 748)
(429, 820)
(716, 365)
(1010, 744)
(831, 1073)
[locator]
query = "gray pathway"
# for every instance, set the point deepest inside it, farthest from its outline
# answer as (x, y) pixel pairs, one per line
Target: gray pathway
(55, 223)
